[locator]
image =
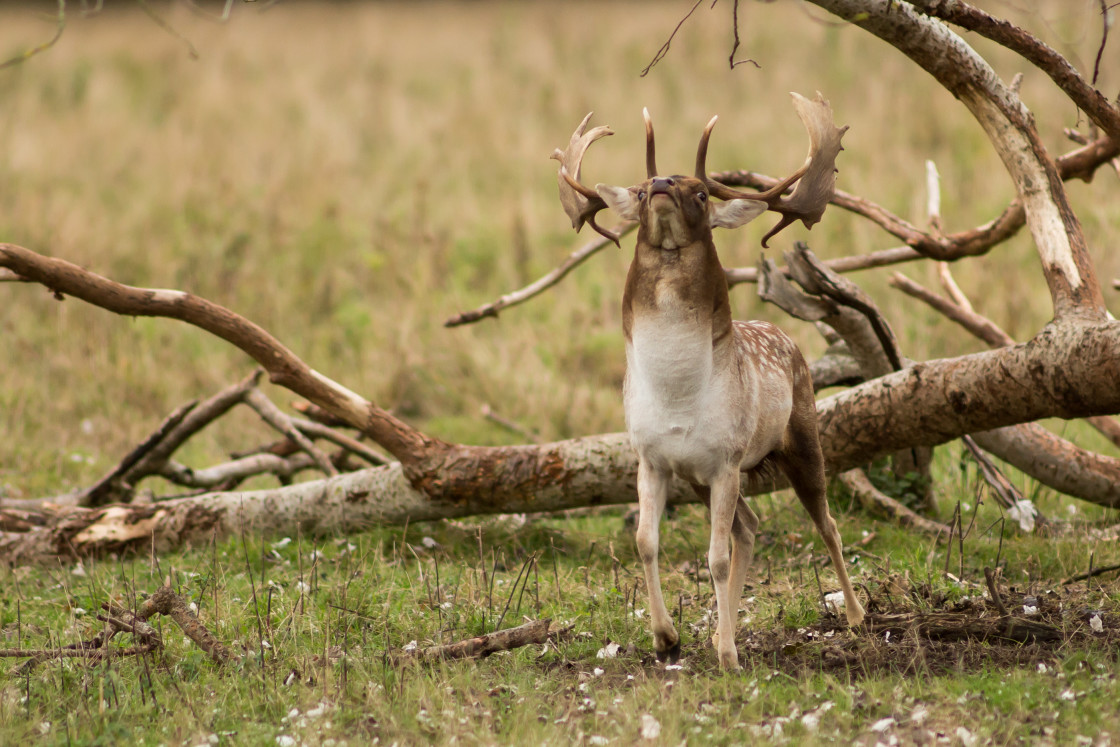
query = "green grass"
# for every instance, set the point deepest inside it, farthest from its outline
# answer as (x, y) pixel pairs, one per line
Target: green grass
(350, 175)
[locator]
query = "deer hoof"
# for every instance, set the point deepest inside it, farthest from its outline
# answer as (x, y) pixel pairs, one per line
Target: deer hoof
(670, 655)
(729, 661)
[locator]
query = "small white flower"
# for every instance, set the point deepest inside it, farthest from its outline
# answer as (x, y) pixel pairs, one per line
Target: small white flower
(919, 715)
(78, 612)
(266, 645)
(967, 738)
(410, 646)
(597, 672)
(597, 740)
(281, 543)
(650, 728)
(285, 741)
(45, 727)
(429, 543)
(1042, 668)
(1067, 694)
(78, 570)
(1030, 609)
(1096, 624)
(193, 607)
(293, 713)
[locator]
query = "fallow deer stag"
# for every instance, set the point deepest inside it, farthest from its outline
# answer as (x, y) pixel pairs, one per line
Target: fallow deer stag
(705, 396)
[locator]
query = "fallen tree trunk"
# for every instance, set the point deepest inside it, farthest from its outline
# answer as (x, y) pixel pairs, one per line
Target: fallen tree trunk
(1065, 372)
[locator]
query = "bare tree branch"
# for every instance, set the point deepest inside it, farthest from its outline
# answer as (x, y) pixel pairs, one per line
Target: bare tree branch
(575, 259)
(284, 368)
(875, 501)
(1058, 235)
(1065, 76)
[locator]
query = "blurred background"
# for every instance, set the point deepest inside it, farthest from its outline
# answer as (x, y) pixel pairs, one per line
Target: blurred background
(350, 174)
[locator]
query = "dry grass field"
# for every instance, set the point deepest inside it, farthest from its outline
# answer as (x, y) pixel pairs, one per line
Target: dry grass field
(349, 175)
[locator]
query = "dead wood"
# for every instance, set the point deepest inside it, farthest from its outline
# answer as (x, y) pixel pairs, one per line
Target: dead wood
(949, 626)
(123, 620)
(1087, 98)
(275, 417)
(989, 332)
(479, 647)
(875, 501)
(108, 487)
(574, 260)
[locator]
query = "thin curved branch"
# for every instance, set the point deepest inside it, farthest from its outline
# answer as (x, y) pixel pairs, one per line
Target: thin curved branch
(575, 259)
(23, 57)
(881, 258)
(1091, 101)
(283, 366)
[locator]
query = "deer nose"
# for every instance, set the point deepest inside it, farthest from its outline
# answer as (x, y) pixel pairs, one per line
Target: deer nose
(660, 186)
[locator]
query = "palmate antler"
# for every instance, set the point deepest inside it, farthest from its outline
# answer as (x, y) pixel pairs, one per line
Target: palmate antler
(816, 179)
(580, 202)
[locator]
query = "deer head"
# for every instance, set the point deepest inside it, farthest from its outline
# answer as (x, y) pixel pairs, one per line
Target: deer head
(677, 210)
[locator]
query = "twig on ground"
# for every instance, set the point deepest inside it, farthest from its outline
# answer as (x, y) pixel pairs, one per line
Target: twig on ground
(537, 631)
(993, 590)
(120, 619)
(1091, 573)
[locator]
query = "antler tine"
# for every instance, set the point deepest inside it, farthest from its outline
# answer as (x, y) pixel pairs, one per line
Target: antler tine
(579, 201)
(816, 179)
(722, 191)
(651, 159)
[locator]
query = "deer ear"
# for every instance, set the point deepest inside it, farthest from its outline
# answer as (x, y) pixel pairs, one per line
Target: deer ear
(623, 201)
(733, 213)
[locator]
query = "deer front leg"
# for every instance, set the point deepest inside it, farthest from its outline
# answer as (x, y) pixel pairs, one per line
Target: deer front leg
(653, 490)
(724, 504)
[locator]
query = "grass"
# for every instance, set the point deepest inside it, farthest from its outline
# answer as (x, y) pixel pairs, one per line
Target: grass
(349, 175)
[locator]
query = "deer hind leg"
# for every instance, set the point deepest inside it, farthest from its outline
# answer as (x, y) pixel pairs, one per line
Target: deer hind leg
(742, 550)
(802, 462)
(725, 568)
(653, 491)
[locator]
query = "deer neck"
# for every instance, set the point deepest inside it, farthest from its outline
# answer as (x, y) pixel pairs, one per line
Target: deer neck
(683, 288)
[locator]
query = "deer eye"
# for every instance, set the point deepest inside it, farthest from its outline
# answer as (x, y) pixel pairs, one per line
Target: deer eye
(702, 196)
(641, 195)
